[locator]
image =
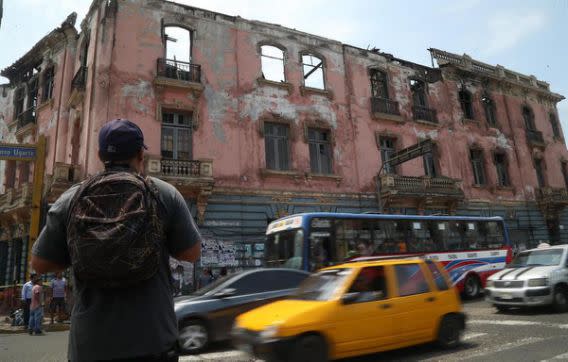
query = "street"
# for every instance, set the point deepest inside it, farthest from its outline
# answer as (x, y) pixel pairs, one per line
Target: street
(533, 335)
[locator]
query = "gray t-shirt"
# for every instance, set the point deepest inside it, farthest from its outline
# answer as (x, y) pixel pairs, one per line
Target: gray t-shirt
(126, 322)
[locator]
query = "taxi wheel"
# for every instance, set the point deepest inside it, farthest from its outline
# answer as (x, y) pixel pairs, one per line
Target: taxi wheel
(449, 332)
(560, 299)
(193, 337)
(471, 287)
(310, 348)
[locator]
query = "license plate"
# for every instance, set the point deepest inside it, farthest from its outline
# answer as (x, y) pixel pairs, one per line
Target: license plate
(506, 296)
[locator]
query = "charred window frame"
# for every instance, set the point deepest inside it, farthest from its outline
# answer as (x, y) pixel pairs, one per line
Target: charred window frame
(528, 117)
(19, 99)
(387, 146)
(48, 84)
(477, 166)
(379, 84)
(319, 141)
(177, 135)
(502, 169)
(555, 126)
(272, 63)
(418, 89)
(539, 169)
(489, 108)
(313, 67)
(277, 146)
(466, 103)
(32, 94)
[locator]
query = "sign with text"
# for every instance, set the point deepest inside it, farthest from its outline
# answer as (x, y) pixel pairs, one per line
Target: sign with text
(17, 152)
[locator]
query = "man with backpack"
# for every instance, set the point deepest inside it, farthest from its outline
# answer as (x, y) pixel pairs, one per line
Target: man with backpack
(117, 230)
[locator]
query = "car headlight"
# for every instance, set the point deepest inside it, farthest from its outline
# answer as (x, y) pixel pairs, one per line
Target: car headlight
(538, 282)
(269, 332)
(489, 284)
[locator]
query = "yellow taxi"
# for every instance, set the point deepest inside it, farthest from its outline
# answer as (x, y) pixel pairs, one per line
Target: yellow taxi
(354, 309)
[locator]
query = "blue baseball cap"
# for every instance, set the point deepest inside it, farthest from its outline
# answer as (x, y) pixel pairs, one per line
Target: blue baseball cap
(120, 139)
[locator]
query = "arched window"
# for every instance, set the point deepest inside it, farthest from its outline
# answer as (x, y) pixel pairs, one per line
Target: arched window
(313, 71)
(272, 59)
(466, 104)
(555, 127)
(528, 117)
(489, 108)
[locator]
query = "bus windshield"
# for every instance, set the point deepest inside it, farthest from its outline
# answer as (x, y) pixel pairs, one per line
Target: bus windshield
(284, 249)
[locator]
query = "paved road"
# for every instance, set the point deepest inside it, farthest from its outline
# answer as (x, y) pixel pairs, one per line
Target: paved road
(536, 335)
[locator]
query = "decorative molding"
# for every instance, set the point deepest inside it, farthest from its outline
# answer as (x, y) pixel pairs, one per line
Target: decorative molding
(282, 85)
(315, 91)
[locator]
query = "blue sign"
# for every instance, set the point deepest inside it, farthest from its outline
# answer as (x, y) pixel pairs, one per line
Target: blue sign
(15, 152)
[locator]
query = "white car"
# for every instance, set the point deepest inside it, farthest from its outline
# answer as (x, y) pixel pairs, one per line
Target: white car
(536, 277)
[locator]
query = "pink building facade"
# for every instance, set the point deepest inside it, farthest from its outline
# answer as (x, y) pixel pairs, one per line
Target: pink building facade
(253, 121)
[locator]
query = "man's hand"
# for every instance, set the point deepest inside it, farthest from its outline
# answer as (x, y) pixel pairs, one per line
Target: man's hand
(191, 254)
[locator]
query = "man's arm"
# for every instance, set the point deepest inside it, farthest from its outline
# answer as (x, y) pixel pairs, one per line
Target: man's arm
(191, 254)
(182, 237)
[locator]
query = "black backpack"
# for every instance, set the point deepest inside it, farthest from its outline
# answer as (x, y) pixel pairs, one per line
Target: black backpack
(114, 232)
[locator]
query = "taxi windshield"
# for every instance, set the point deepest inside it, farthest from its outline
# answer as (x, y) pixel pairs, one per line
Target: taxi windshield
(537, 258)
(322, 285)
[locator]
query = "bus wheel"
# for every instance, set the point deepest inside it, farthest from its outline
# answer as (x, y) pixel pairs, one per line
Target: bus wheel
(471, 287)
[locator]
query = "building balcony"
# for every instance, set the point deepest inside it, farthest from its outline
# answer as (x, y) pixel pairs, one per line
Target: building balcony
(424, 114)
(193, 174)
(550, 195)
(27, 117)
(420, 191)
(175, 73)
(63, 178)
(16, 202)
(78, 85)
(535, 138)
(385, 106)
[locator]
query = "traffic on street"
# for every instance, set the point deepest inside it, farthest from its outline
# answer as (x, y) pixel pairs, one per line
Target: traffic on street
(516, 335)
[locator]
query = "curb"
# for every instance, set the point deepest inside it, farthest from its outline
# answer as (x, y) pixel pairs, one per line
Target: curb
(46, 328)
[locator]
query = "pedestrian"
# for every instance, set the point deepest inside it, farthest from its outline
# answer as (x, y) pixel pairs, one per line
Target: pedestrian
(36, 308)
(58, 289)
(27, 299)
(206, 278)
(123, 305)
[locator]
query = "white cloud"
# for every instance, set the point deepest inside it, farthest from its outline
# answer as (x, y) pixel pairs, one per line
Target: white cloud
(507, 30)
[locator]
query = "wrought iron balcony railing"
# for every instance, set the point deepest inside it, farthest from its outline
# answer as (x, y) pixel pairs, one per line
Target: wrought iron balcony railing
(80, 79)
(179, 70)
(425, 113)
(178, 168)
(552, 195)
(420, 186)
(27, 117)
(384, 105)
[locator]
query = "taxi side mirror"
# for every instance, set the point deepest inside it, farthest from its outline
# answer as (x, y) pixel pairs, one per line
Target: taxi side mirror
(349, 298)
(224, 293)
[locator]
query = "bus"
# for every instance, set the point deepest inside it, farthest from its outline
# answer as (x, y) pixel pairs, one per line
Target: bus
(470, 248)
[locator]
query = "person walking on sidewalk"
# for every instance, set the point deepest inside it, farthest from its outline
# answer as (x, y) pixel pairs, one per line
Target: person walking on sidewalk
(36, 308)
(27, 299)
(58, 289)
(123, 305)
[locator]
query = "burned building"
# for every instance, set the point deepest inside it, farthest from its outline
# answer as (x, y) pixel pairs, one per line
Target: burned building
(253, 121)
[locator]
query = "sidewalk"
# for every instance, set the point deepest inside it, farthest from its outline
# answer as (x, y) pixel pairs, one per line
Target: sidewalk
(7, 328)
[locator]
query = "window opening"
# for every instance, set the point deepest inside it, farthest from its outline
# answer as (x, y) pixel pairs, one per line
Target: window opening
(489, 108)
(528, 117)
(379, 87)
(276, 137)
(313, 71)
(177, 136)
(539, 172)
(429, 165)
(466, 103)
(388, 148)
(555, 127)
(477, 165)
(272, 62)
(48, 83)
(501, 166)
(320, 151)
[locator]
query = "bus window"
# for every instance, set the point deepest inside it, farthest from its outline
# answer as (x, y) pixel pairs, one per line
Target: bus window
(392, 236)
(491, 234)
(419, 238)
(469, 231)
(284, 249)
(354, 238)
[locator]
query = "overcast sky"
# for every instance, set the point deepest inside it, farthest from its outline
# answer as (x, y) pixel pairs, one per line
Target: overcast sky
(525, 36)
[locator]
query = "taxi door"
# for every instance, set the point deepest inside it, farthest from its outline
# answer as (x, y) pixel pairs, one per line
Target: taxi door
(415, 313)
(363, 320)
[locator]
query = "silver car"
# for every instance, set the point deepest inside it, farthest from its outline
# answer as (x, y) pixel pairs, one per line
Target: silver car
(536, 277)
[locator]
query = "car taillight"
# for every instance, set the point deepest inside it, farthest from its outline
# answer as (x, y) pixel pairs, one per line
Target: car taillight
(509, 257)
